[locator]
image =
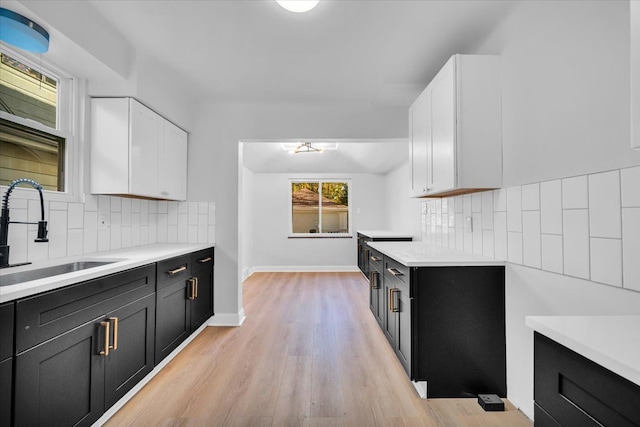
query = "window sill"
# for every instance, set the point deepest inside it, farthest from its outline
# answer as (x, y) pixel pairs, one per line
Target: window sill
(320, 236)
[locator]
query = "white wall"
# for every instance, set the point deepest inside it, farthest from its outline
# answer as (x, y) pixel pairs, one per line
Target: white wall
(271, 249)
(403, 213)
(571, 245)
(214, 172)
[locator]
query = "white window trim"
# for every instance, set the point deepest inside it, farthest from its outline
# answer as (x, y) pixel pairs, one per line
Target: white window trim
(320, 235)
(69, 108)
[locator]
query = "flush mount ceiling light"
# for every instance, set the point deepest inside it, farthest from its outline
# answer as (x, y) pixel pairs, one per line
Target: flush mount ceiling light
(22, 32)
(308, 147)
(298, 6)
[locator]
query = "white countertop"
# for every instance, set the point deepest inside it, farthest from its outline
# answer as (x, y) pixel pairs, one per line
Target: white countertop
(384, 234)
(124, 259)
(419, 254)
(610, 341)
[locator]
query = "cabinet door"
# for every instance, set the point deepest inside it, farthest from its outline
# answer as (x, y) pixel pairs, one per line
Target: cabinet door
(146, 130)
(202, 303)
(375, 283)
(443, 128)
(420, 143)
(173, 163)
(389, 325)
(6, 379)
(173, 318)
(133, 356)
(61, 382)
(403, 335)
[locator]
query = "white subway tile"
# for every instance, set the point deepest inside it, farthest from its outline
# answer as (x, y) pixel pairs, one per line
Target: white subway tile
(75, 242)
(57, 234)
(162, 229)
(531, 239)
(477, 233)
(90, 235)
(500, 235)
(514, 209)
(487, 210)
(551, 207)
(452, 237)
(104, 239)
(18, 241)
(193, 234)
(630, 179)
(90, 203)
(631, 248)
(575, 244)
(193, 214)
(451, 206)
(552, 253)
(37, 251)
(153, 206)
(203, 207)
(604, 205)
(136, 233)
(575, 193)
(183, 228)
(444, 202)
(76, 215)
(126, 205)
(459, 227)
(135, 206)
(116, 231)
(172, 219)
(126, 236)
(500, 200)
(467, 205)
(58, 206)
(116, 204)
(445, 236)
(172, 234)
(531, 197)
(487, 243)
(458, 204)
(163, 206)
(514, 247)
(126, 218)
(606, 261)
(202, 227)
(144, 207)
(144, 235)
(17, 203)
(183, 207)
(104, 204)
(476, 202)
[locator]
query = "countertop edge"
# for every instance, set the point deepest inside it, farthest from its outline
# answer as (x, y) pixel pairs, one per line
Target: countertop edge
(373, 234)
(618, 367)
(446, 257)
(159, 252)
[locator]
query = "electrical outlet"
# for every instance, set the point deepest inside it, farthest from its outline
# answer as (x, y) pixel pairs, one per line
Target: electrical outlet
(103, 222)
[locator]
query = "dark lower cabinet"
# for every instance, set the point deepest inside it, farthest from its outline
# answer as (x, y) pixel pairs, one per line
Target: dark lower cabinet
(364, 251)
(398, 311)
(184, 299)
(71, 378)
(6, 362)
(376, 287)
(571, 390)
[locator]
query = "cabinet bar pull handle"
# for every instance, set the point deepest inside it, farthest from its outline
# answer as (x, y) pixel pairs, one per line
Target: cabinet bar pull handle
(395, 307)
(375, 258)
(191, 289)
(177, 270)
(115, 333)
(374, 282)
(195, 294)
(395, 272)
(203, 260)
(390, 299)
(105, 352)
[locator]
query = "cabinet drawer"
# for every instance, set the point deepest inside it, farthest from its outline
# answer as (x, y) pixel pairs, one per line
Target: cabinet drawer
(44, 316)
(375, 259)
(202, 260)
(6, 330)
(394, 269)
(173, 270)
(576, 391)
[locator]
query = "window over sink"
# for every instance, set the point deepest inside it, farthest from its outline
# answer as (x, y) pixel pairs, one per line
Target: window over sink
(320, 208)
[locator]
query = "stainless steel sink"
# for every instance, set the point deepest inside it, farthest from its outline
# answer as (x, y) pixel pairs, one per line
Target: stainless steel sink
(54, 270)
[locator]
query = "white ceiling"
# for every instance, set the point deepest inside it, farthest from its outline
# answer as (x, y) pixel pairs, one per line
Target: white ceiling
(359, 53)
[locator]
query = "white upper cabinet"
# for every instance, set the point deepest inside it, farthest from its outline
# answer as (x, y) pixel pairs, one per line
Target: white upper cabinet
(634, 14)
(136, 152)
(455, 129)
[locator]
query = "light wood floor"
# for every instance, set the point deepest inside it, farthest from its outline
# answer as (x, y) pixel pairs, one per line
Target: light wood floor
(309, 354)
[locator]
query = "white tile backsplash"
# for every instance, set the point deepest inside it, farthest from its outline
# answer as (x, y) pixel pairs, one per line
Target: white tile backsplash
(604, 205)
(576, 242)
(630, 181)
(105, 223)
(585, 226)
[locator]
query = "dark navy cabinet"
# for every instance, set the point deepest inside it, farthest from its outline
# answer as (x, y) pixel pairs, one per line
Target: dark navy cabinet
(6, 362)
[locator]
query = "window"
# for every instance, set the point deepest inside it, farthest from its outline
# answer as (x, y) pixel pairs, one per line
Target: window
(320, 208)
(35, 123)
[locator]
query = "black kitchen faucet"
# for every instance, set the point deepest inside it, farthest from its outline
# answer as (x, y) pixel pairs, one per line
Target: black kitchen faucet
(4, 222)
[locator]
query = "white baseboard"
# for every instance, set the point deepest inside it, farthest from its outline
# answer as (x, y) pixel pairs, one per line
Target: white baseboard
(421, 388)
(120, 403)
(227, 319)
(302, 269)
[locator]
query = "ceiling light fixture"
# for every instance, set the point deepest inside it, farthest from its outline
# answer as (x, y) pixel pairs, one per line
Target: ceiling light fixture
(21, 32)
(298, 6)
(308, 147)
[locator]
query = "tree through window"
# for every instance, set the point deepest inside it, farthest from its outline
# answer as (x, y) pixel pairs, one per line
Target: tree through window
(320, 208)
